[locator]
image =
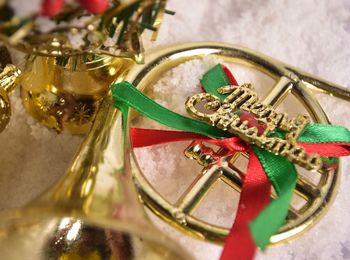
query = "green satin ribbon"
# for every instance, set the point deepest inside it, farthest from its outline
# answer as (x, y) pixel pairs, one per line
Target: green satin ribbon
(214, 79)
(125, 96)
(322, 133)
(280, 172)
(283, 177)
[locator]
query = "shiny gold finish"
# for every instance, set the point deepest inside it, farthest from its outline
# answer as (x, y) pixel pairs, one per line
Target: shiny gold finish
(317, 196)
(67, 99)
(8, 80)
(74, 219)
(225, 115)
(74, 32)
(158, 19)
(93, 212)
(67, 96)
(62, 98)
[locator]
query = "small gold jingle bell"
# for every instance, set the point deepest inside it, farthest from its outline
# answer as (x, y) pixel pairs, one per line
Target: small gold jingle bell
(8, 78)
(65, 92)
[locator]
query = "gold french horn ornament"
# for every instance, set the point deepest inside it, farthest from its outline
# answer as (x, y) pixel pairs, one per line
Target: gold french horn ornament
(317, 195)
(93, 212)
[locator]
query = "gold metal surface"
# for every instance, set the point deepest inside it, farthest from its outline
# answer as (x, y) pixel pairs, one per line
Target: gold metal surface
(8, 80)
(93, 212)
(289, 80)
(67, 96)
(226, 114)
(74, 31)
(62, 98)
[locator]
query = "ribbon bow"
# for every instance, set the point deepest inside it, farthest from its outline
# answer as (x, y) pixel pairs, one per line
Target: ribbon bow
(257, 217)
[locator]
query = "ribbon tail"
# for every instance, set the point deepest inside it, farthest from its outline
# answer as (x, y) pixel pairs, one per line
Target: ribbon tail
(271, 218)
(141, 137)
(327, 149)
(283, 177)
(255, 195)
(325, 140)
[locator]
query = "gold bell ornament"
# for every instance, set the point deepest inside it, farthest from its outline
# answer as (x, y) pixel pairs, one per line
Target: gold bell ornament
(74, 51)
(67, 96)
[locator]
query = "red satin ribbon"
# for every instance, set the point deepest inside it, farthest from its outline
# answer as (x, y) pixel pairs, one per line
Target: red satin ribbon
(327, 149)
(54, 7)
(256, 187)
(148, 137)
(255, 194)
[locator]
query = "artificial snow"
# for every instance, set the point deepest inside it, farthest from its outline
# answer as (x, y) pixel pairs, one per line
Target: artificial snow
(313, 35)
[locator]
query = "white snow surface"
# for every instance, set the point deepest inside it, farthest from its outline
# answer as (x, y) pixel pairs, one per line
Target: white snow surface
(309, 34)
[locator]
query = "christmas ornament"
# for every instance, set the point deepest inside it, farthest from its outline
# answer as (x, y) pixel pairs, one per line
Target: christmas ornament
(259, 221)
(93, 212)
(67, 96)
(81, 27)
(75, 51)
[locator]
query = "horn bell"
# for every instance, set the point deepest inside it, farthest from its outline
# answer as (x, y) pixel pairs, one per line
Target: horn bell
(93, 212)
